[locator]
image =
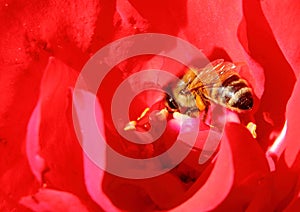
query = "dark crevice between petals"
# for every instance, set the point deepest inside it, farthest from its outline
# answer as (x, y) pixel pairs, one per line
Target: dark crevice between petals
(288, 165)
(218, 53)
(258, 41)
(250, 169)
(105, 29)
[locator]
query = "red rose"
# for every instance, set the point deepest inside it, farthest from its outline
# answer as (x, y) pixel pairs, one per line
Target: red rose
(44, 46)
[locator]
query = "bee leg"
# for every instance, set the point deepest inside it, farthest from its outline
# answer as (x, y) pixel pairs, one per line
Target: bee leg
(204, 117)
(203, 106)
(192, 112)
(205, 114)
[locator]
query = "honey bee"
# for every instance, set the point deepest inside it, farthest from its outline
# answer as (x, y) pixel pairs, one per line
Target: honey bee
(218, 82)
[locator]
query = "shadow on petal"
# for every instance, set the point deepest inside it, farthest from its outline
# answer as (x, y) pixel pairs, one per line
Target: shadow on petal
(259, 42)
(239, 168)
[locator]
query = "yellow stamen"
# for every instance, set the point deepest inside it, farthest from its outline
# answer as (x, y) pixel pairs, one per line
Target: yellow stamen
(162, 114)
(130, 126)
(252, 128)
(143, 113)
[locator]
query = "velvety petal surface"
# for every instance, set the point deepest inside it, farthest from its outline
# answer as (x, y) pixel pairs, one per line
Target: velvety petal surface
(56, 160)
(288, 169)
(282, 17)
(242, 165)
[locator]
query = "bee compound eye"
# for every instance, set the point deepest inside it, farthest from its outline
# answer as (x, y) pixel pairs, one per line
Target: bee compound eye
(171, 104)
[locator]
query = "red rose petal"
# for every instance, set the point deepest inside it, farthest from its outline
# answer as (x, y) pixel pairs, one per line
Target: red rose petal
(36, 162)
(286, 152)
(250, 166)
(282, 18)
(126, 194)
(93, 176)
(292, 135)
(9, 203)
(33, 30)
(67, 35)
(288, 166)
(30, 32)
(262, 199)
(145, 194)
(53, 200)
(164, 195)
(18, 87)
(54, 93)
(239, 166)
(258, 40)
(284, 185)
(58, 145)
(148, 194)
(215, 188)
(294, 206)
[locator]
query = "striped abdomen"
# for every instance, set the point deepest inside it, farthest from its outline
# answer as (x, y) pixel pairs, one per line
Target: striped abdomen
(234, 93)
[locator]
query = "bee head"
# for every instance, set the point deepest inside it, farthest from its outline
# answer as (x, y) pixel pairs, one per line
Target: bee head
(171, 104)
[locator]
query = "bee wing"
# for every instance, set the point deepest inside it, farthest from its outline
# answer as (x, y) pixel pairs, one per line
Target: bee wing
(213, 75)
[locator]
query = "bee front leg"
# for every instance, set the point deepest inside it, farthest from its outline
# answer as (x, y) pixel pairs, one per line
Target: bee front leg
(203, 106)
(204, 118)
(192, 112)
(205, 114)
